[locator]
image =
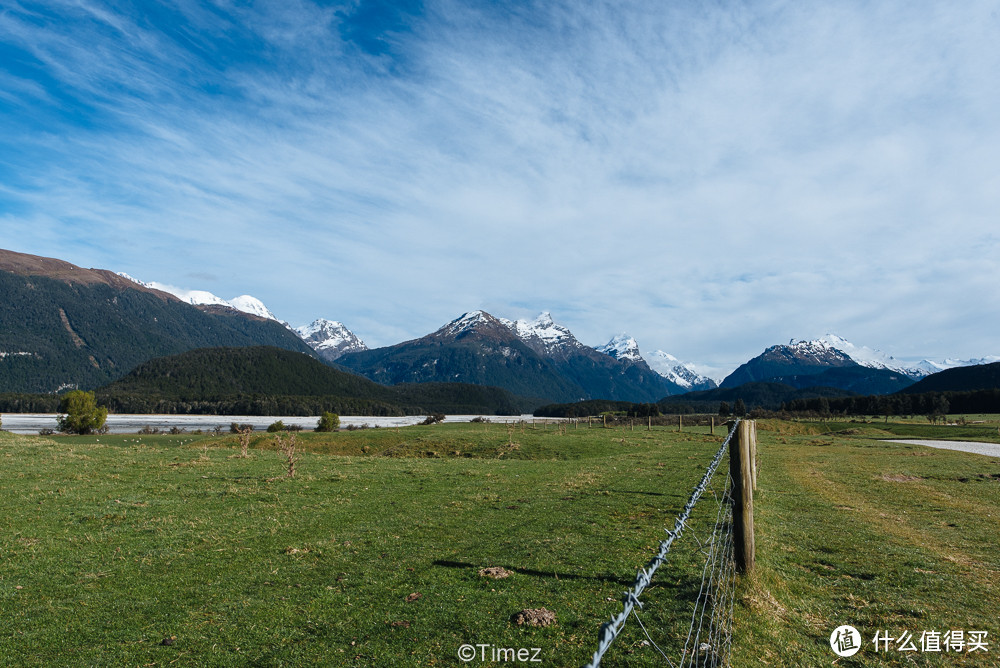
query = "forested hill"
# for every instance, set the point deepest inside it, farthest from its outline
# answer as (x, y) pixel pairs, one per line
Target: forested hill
(961, 379)
(71, 331)
(262, 379)
(208, 373)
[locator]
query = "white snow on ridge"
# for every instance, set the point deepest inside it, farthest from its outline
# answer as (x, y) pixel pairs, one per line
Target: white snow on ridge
(685, 374)
(929, 366)
(330, 336)
(464, 323)
(251, 305)
(622, 347)
(876, 359)
(243, 303)
(542, 329)
(133, 279)
(865, 356)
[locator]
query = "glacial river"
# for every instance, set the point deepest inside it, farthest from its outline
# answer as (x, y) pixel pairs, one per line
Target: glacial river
(32, 423)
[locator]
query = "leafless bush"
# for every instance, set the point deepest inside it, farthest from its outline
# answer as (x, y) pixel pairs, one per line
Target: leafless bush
(434, 418)
(286, 446)
(244, 437)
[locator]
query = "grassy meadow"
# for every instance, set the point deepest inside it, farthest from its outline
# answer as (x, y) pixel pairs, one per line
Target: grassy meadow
(174, 550)
(881, 536)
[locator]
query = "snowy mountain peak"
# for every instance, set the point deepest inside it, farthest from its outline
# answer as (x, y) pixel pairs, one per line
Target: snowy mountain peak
(251, 305)
(863, 355)
(243, 303)
(330, 338)
(542, 333)
(622, 347)
(676, 371)
(544, 320)
(468, 322)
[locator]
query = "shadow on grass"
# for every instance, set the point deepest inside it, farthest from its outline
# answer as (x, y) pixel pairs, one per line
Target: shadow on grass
(538, 574)
(625, 491)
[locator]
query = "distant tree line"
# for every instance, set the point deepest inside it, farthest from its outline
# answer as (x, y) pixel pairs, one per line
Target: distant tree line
(925, 403)
(597, 407)
(454, 403)
(255, 404)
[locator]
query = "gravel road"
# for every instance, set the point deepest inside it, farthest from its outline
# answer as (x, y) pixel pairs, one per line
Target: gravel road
(975, 447)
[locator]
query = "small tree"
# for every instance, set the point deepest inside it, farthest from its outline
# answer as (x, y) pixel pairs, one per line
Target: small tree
(82, 414)
(328, 422)
(724, 410)
(277, 425)
(740, 409)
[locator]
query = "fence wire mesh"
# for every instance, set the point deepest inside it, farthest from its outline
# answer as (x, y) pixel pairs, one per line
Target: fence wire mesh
(709, 638)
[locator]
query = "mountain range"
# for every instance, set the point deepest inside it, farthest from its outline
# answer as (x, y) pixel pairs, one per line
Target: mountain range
(332, 339)
(536, 359)
(62, 326)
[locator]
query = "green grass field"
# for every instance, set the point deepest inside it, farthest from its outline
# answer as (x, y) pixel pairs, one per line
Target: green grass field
(370, 556)
(880, 536)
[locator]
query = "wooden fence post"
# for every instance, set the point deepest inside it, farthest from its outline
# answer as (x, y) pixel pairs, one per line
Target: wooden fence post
(713, 425)
(680, 423)
(741, 467)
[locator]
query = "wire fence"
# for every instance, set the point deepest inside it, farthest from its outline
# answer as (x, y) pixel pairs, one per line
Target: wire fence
(709, 638)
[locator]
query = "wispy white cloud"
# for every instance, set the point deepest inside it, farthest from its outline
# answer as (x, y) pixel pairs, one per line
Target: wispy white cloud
(712, 179)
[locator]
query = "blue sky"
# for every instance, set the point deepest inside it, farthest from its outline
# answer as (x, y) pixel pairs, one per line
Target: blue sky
(711, 177)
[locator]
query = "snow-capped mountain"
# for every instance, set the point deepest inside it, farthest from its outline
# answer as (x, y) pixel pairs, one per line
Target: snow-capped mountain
(542, 334)
(678, 372)
(473, 321)
(623, 347)
(251, 305)
(795, 358)
(536, 358)
(243, 303)
(869, 357)
(876, 359)
(330, 339)
(928, 366)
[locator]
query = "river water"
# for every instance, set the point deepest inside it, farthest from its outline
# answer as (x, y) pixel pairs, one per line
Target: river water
(32, 423)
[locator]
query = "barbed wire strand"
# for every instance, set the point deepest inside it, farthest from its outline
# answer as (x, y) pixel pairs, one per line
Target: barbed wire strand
(630, 599)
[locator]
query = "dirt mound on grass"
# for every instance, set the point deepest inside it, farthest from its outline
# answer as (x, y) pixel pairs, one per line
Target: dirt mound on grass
(495, 572)
(534, 617)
